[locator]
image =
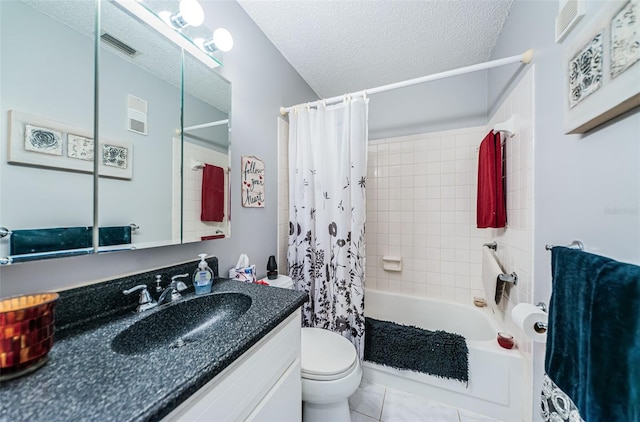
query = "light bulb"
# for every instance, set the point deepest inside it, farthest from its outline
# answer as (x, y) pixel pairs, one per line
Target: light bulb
(165, 16)
(223, 39)
(192, 12)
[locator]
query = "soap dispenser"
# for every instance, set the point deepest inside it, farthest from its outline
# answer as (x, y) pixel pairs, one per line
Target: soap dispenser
(203, 276)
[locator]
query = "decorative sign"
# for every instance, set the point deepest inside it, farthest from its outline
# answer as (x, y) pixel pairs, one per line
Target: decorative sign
(602, 68)
(252, 178)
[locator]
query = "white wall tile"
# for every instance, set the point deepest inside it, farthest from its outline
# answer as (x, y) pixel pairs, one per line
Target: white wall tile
(437, 183)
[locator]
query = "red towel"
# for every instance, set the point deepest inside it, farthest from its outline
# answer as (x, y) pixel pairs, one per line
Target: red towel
(491, 210)
(212, 193)
(211, 237)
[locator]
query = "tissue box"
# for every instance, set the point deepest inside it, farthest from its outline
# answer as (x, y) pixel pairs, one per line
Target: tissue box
(247, 274)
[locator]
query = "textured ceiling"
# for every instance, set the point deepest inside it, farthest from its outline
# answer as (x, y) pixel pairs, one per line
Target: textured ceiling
(346, 46)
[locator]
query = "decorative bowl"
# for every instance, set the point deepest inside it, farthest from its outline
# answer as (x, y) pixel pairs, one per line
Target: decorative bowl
(26, 333)
(505, 340)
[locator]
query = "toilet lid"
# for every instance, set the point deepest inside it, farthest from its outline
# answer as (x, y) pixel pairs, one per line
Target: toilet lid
(325, 354)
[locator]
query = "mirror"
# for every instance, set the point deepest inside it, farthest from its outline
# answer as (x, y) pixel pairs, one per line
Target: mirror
(139, 112)
(47, 72)
(46, 80)
(205, 152)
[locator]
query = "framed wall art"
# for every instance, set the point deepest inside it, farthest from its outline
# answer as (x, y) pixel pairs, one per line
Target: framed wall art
(40, 142)
(602, 68)
(252, 178)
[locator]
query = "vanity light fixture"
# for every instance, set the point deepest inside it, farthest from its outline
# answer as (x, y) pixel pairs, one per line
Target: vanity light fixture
(190, 13)
(163, 26)
(222, 40)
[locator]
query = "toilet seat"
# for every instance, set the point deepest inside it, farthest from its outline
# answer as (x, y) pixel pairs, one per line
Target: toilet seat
(325, 355)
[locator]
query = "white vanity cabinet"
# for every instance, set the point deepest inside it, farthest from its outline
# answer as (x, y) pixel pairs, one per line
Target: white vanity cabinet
(261, 385)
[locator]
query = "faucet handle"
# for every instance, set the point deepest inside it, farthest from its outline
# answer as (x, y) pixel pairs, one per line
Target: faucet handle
(145, 301)
(136, 288)
(180, 286)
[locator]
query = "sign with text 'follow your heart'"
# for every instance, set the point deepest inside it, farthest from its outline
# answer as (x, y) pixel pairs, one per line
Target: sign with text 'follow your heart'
(252, 177)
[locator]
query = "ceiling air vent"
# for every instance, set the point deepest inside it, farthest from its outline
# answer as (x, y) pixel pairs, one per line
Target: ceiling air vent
(118, 45)
(569, 14)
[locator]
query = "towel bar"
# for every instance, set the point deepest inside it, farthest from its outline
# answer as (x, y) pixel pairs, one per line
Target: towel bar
(492, 245)
(576, 244)
(4, 232)
(509, 278)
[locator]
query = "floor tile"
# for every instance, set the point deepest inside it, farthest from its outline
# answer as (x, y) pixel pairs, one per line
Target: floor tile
(400, 407)
(359, 417)
(368, 399)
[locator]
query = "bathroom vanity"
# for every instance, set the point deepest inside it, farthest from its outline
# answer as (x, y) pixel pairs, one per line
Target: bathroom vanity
(263, 384)
(231, 365)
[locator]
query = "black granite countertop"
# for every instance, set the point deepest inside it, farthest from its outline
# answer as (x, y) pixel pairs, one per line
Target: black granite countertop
(85, 379)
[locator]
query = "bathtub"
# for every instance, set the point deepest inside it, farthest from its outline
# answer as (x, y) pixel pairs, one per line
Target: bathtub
(496, 375)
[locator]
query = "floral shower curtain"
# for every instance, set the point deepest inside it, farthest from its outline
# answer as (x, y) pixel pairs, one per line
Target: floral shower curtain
(327, 177)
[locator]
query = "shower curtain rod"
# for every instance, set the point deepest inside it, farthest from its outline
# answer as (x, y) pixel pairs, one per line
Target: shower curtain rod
(523, 58)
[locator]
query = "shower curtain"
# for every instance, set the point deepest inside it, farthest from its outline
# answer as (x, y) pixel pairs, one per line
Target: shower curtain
(327, 177)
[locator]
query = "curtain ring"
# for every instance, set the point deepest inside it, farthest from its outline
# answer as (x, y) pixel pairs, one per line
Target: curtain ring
(308, 105)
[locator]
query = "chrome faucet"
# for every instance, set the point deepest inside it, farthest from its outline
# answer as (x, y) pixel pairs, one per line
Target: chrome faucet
(172, 292)
(145, 301)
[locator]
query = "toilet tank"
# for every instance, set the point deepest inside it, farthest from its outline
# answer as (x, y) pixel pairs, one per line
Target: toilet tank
(282, 281)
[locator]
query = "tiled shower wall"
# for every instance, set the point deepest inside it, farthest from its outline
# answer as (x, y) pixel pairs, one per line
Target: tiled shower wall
(192, 227)
(421, 207)
(515, 243)
(283, 195)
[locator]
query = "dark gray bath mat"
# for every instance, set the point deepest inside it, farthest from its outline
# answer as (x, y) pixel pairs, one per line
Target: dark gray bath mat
(436, 353)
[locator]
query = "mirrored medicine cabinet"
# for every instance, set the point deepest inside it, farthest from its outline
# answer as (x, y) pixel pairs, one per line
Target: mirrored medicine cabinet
(139, 107)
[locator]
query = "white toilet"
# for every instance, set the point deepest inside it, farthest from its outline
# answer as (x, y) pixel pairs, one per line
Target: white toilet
(330, 371)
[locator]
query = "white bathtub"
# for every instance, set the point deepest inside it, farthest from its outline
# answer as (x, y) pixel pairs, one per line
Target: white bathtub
(496, 375)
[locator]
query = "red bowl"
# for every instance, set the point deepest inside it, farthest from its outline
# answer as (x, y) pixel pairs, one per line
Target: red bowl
(26, 332)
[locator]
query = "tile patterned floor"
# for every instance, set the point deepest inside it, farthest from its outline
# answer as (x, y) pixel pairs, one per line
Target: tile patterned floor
(374, 402)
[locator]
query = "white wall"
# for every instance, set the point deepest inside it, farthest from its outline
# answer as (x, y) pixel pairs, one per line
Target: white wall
(444, 104)
(262, 82)
(587, 186)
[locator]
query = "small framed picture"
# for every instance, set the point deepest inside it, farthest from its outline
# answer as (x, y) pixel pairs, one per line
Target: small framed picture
(38, 141)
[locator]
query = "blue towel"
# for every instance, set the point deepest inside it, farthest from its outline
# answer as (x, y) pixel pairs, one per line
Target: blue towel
(593, 342)
(65, 239)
